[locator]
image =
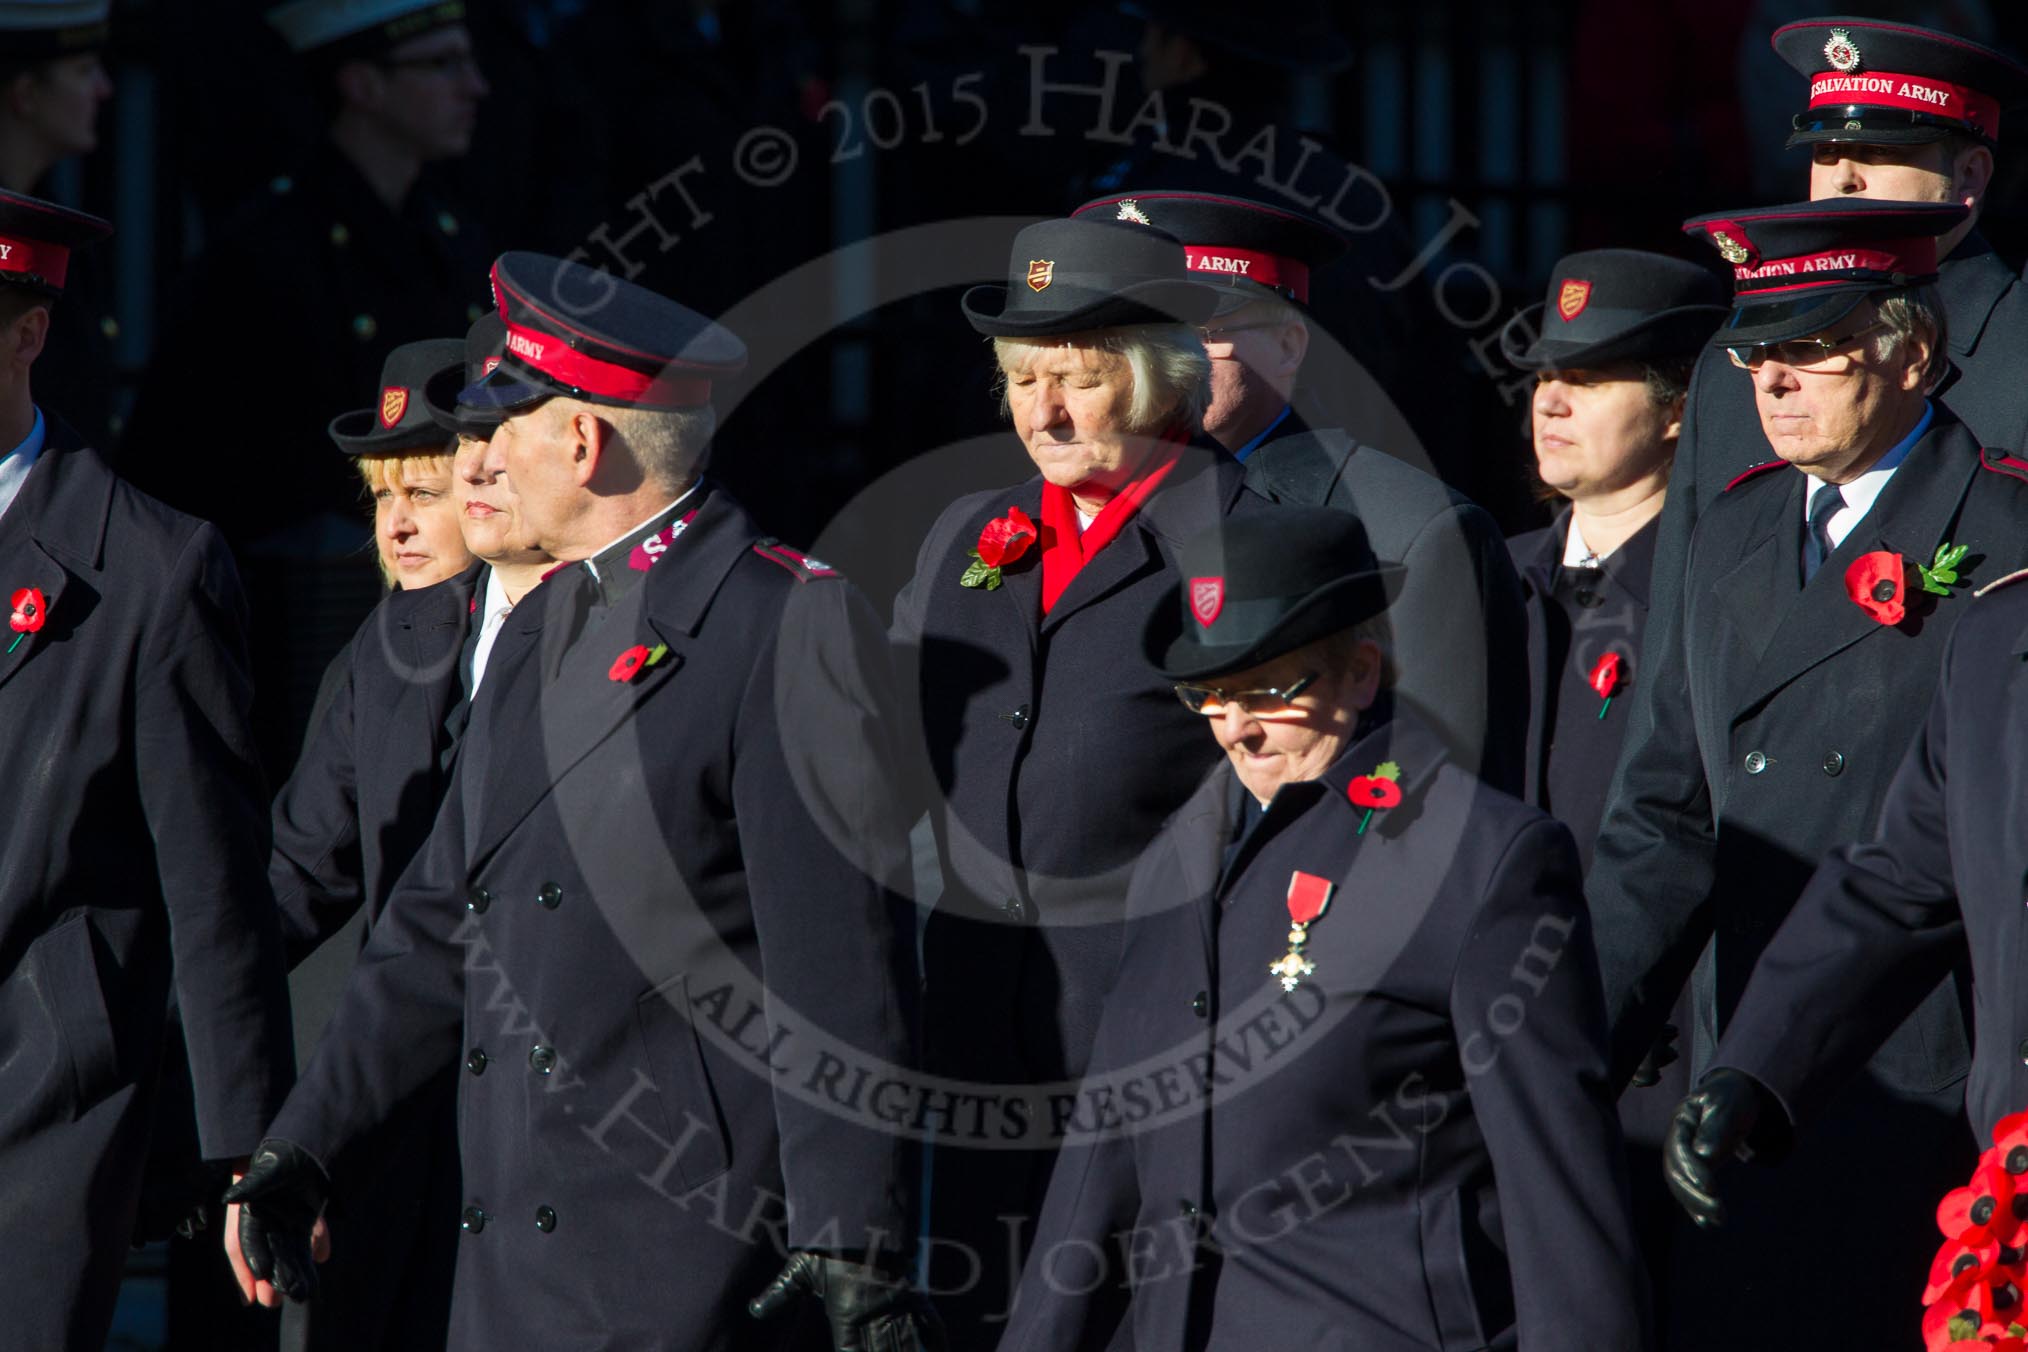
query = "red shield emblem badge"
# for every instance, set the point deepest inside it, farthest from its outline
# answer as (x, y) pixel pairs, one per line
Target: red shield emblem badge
(1040, 272)
(1207, 598)
(1572, 298)
(393, 403)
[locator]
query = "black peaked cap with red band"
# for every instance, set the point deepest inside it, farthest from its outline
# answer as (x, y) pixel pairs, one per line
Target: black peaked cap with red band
(1613, 305)
(400, 420)
(1255, 587)
(1884, 83)
(485, 345)
(1241, 246)
(586, 334)
(1800, 268)
(36, 239)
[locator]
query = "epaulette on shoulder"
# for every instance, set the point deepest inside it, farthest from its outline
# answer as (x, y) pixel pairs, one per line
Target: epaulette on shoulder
(2000, 582)
(2001, 463)
(1755, 473)
(801, 565)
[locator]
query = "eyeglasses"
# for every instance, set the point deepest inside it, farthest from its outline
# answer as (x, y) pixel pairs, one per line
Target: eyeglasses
(1222, 337)
(1801, 354)
(1266, 703)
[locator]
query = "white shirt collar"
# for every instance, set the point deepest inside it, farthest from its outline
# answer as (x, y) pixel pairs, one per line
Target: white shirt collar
(1864, 491)
(649, 519)
(494, 608)
(14, 466)
(1576, 553)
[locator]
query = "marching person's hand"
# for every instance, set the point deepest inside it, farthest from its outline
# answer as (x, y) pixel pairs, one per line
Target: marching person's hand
(1711, 1126)
(272, 1228)
(868, 1310)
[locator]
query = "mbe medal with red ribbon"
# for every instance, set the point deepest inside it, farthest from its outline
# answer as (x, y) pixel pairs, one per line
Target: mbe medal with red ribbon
(1309, 895)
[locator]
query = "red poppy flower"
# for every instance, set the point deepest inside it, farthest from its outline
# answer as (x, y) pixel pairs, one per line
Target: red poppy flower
(30, 610)
(1605, 675)
(1371, 791)
(629, 663)
(1956, 1263)
(1006, 538)
(1877, 584)
(1982, 1212)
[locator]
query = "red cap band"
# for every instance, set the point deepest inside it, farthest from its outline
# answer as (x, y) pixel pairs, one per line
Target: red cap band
(607, 380)
(47, 261)
(1916, 257)
(1268, 269)
(1911, 93)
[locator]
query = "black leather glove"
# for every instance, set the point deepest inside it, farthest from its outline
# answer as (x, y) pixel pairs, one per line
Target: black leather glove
(1649, 1073)
(868, 1310)
(1711, 1126)
(280, 1198)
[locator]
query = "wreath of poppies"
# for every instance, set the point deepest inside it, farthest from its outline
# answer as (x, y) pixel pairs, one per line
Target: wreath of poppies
(1977, 1295)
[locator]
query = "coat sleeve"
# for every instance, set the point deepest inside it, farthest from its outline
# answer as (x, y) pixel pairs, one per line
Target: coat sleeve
(1531, 1038)
(1476, 676)
(824, 839)
(202, 793)
(1874, 932)
(1654, 862)
(401, 1018)
(316, 869)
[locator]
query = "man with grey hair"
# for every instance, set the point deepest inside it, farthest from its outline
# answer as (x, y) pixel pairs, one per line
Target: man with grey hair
(1817, 598)
(1053, 749)
(1460, 624)
(658, 896)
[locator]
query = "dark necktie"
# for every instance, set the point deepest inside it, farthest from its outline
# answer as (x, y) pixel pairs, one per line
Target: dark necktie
(1830, 500)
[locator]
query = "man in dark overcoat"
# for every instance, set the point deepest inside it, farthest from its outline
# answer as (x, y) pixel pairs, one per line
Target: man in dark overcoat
(1936, 885)
(654, 921)
(131, 868)
(1350, 1086)
(1895, 112)
(1459, 625)
(1808, 644)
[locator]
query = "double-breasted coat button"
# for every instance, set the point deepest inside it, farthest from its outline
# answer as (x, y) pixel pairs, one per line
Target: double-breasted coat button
(1756, 761)
(1020, 718)
(542, 1060)
(551, 896)
(473, 1220)
(2022, 1052)
(1014, 908)
(1589, 599)
(545, 1219)
(1200, 1004)
(1188, 1208)
(476, 1062)
(1834, 764)
(477, 899)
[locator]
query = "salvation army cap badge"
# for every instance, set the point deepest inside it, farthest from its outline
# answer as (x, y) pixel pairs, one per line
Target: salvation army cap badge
(1841, 51)
(1571, 299)
(1730, 249)
(1130, 210)
(1040, 272)
(1207, 599)
(393, 403)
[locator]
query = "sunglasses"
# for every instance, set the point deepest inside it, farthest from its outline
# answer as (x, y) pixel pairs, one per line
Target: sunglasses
(1800, 354)
(1265, 703)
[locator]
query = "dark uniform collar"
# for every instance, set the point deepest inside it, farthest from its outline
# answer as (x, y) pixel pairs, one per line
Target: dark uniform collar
(1628, 566)
(1970, 283)
(620, 566)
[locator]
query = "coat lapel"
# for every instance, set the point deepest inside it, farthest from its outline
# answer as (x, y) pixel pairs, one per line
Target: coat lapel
(1538, 578)
(1197, 495)
(1910, 518)
(1766, 583)
(583, 705)
(58, 518)
(450, 607)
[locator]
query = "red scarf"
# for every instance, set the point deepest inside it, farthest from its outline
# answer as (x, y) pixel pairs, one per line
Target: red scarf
(1065, 549)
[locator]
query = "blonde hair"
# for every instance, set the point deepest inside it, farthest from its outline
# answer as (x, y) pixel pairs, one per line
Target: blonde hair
(401, 469)
(1170, 372)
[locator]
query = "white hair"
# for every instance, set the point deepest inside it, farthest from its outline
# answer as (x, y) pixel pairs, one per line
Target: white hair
(1907, 313)
(1170, 374)
(669, 443)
